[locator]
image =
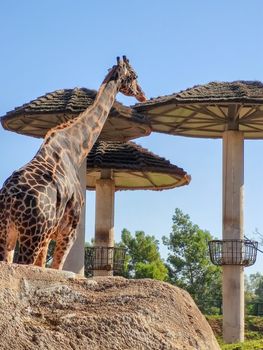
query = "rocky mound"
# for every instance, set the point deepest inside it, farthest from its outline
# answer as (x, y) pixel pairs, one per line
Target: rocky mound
(48, 309)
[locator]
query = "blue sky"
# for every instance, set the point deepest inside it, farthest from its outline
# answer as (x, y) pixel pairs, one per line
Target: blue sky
(173, 45)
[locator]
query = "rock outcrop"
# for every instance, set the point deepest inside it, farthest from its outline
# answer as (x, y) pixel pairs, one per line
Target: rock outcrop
(49, 309)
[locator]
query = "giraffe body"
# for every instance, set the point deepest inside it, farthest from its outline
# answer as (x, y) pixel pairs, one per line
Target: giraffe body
(43, 200)
(40, 202)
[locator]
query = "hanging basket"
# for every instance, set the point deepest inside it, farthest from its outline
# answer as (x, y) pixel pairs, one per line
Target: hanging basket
(233, 252)
(104, 258)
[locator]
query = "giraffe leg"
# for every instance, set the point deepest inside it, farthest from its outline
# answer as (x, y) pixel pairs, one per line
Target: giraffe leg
(27, 255)
(30, 245)
(4, 225)
(36, 227)
(11, 243)
(8, 237)
(3, 242)
(42, 255)
(64, 243)
(67, 232)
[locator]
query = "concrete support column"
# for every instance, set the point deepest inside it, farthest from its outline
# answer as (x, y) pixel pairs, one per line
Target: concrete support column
(104, 221)
(75, 259)
(233, 275)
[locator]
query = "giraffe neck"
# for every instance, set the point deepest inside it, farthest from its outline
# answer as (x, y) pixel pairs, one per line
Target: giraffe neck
(75, 139)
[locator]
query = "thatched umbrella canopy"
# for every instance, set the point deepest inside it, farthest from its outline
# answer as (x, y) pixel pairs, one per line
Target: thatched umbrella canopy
(133, 167)
(38, 116)
(209, 110)
(233, 111)
(113, 166)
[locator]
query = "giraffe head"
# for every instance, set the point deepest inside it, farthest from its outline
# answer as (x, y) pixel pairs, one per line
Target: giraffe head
(128, 79)
(129, 84)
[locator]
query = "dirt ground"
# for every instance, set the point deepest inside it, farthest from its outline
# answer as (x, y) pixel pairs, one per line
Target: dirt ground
(48, 309)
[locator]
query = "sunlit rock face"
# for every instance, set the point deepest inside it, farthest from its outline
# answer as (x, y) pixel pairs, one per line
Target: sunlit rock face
(50, 309)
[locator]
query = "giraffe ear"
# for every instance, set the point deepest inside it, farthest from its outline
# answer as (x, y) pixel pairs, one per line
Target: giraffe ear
(125, 59)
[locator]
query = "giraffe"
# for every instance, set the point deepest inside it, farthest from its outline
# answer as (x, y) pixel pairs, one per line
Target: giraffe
(43, 199)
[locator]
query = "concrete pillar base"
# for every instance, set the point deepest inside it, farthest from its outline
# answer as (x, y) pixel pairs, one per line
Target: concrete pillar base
(104, 223)
(233, 304)
(233, 275)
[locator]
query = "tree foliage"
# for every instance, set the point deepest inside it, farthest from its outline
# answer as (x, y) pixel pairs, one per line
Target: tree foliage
(253, 293)
(254, 286)
(143, 258)
(189, 263)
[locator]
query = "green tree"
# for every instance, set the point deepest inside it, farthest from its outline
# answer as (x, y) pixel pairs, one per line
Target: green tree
(253, 292)
(254, 285)
(143, 258)
(189, 264)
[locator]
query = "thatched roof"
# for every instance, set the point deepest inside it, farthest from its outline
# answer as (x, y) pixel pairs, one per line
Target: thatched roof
(38, 116)
(239, 91)
(133, 166)
(208, 110)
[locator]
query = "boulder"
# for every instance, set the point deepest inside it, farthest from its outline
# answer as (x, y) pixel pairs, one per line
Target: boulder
(50, 309)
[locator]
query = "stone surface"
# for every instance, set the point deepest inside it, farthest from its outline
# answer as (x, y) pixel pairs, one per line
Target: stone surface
(49, 309)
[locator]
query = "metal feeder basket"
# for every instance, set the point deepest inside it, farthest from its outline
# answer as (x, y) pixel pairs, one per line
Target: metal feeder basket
(233, 252)
(104, 258)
